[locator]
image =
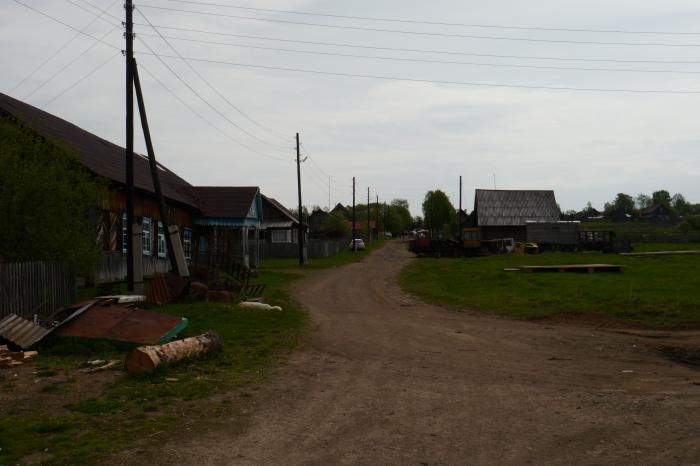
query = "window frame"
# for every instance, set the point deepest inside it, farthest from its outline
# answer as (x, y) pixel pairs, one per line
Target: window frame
(146, 240)
(161, 245)
(287, 236)
(187, 243)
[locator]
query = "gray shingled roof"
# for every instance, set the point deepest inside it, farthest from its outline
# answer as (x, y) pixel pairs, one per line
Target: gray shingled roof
(499, 207)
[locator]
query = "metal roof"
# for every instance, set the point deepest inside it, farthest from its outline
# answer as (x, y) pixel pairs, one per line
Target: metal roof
(505, 207)
(233, 202)
(20, 331)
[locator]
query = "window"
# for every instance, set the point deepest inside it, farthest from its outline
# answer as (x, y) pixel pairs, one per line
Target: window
(162, 248)
(124, 233)
(146, 238)
(281, 236)
(187, 243)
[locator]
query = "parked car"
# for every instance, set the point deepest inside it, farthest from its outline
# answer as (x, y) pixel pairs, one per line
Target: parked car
(387, 234)
(359, 244)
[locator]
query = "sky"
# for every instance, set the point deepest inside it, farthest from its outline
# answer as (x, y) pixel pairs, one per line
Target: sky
(226, 113)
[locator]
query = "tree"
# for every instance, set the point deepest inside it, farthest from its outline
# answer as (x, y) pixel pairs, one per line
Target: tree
(679, 203)
(643, 201)
(335, 225)
(662, 198)
(621, 207)
(438, 211)
(46, 197)
(398, 217)
(304, 211)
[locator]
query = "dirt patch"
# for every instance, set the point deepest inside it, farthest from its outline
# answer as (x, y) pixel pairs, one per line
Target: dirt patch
(687, 356)
(386, 379)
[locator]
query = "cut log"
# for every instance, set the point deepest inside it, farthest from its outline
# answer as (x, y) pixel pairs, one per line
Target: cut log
(145, 359)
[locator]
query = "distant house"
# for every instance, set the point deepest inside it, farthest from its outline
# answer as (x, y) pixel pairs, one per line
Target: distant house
(504, 213)
(106, 160)
(361, 229)
(657, 212)
(228, 227)
(279, 225)
(342, 209)
(316, 220)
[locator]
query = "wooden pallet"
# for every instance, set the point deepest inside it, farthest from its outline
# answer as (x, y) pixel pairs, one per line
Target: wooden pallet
(14, 358)
(581, 268)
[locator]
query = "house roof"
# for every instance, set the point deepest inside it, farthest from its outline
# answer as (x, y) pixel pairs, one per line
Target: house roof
(292, 219)
(225, 201)
(100, 156)
(502, 207)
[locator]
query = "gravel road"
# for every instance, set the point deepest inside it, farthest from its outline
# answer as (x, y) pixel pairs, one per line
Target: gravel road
(386, 379)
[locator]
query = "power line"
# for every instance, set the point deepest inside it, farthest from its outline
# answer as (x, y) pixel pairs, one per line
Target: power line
(164, 63)
(58, 50)
(434, 81)
(436, 23)
(443, 52)
(216, 91)
(116, 18)
(419, 33)
(66, 25)
(189, 107)
(62, 69)
(83, 78)
(420, 60)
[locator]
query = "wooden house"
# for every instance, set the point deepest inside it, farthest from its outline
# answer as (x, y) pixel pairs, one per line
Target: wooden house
(279, 224)
(106, 160)
(505, 213)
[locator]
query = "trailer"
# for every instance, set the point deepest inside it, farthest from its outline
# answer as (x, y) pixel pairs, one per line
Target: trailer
(554, 236)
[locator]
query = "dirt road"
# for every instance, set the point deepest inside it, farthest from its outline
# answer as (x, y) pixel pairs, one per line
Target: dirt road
(385, 379)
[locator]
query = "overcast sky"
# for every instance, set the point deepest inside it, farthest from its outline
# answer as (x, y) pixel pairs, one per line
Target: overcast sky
(400, 138)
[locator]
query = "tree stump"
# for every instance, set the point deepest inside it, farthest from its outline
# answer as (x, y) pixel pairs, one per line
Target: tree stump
(145, 359)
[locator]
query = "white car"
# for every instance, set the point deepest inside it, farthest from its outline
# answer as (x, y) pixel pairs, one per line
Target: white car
(359, 244)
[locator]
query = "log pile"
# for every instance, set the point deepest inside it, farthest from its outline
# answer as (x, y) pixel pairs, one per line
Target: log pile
(145, 359)
(14, 358)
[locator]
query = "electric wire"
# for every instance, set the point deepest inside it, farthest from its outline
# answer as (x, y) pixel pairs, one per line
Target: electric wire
(58, 50)
(65, 67)
(217, 92)
(435, 81)
(116, 18)
(419, 33)
(444, 62)
(432, 51)
(194, 91)
(434, 23)
(66, 25)
(83, 78)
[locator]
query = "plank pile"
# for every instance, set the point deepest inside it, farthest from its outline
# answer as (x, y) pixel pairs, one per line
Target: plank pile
(14, 358)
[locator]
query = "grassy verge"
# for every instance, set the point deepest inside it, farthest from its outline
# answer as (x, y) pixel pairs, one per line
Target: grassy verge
(649, 247)
(661, 291)
(342, 258)
(53, 414)
(634, 227)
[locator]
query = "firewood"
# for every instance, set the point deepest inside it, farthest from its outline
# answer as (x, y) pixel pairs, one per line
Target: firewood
(4, 349)
(145, 359)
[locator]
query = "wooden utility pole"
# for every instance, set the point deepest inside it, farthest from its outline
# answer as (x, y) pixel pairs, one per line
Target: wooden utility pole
(129, 178)
(354, 246)
(376, 205)
(301, 227)
(369, 231)
(162, 209)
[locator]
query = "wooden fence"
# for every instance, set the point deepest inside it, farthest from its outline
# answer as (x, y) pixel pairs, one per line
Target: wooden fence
(29, 288)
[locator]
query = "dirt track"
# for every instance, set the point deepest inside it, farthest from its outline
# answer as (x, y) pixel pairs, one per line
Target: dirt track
(385, 379)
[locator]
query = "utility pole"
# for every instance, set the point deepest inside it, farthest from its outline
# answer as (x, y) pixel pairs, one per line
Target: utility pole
(354, 246)
(129, 179)
(369, 231)
(377, 212)
(385, 216)
(301, 227)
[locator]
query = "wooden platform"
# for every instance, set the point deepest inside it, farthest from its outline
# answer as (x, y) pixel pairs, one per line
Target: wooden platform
(588, 268)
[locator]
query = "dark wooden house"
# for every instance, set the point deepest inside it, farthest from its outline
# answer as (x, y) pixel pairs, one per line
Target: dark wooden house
(316, 220)
(505, 213)
(279, 224)
(107, 160)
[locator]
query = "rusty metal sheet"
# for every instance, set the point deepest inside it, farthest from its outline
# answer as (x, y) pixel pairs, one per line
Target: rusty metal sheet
(158, 292)
(120, 323)
(22, 332)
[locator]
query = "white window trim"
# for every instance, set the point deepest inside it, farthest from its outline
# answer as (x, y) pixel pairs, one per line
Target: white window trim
(187, 242)
(288, 236)
(146, 246)
(124, 232)
(162, 245)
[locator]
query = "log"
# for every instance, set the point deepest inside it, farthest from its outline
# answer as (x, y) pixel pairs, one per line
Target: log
(145, 359)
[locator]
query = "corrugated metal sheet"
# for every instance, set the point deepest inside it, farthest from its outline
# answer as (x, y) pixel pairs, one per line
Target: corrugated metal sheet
(500, 207)
(21, 332)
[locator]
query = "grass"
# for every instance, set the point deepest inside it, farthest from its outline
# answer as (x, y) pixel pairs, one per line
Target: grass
(661, 291)
(342, 258)
(635, 227)
(130, 409)
(649, 247)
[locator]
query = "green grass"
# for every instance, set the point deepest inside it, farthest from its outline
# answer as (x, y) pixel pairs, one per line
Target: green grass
(649, 247)
(634, 227)
(132, 409)
(661, 291)
(344, 257)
